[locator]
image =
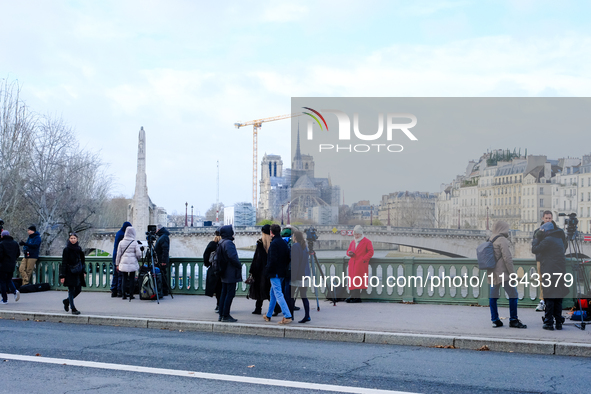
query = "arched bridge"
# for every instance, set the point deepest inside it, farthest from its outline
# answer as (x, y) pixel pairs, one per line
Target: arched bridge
(190, 242)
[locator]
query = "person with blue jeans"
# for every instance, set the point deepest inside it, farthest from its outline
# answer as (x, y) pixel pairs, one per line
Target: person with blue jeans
(501, 275)
(278, 259)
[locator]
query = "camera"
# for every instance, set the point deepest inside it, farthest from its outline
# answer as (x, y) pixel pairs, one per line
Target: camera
(311, 234)
(151, 233)
(570, 222)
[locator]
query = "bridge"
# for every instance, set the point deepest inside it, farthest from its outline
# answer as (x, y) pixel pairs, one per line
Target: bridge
(192, 241)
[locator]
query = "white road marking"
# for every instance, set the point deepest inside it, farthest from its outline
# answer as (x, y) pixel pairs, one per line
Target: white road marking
(199, 375)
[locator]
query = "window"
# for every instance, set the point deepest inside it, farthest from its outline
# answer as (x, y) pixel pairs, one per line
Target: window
(519, 201)
(541, 202)
(541, 190)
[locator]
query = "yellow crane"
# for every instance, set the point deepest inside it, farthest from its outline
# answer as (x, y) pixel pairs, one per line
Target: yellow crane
(256, 125)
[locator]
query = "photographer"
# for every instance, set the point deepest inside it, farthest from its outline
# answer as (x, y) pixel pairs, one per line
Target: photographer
(162, 249)
(31, 253)
(549, 246)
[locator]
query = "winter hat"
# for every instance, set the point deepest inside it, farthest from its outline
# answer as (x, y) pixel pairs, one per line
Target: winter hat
(5, 233)
(547, 226)
(266, 229)
(32, 228)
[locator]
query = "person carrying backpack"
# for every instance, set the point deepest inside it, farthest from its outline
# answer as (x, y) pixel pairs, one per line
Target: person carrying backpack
(501, 276)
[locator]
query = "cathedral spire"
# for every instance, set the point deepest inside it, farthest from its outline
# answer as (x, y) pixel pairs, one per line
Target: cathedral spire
(298, 155)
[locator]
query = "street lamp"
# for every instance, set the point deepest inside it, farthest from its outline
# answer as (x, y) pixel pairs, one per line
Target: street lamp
(459, 215)
(282, 214)
(191, 216)
(186, 208)
(288, 205)
(487, 217)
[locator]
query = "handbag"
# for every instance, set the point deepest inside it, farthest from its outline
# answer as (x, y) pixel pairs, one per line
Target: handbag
(78, 268)
(249, 280)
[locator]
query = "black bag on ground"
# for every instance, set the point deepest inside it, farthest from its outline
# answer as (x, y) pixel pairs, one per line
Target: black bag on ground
(146, 284)
(35, 288)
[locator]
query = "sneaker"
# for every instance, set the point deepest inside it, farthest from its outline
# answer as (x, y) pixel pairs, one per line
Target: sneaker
(17, 296)
(217, 308)
(497, 323)
(516, 324)
(541, 307)
(75, 312)
(549, 327)
(229, 319)
(3, 302)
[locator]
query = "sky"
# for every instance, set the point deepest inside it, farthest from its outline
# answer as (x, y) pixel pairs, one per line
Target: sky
(186, 71)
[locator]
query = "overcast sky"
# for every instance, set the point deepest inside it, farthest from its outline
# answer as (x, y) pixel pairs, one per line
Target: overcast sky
(188, 70)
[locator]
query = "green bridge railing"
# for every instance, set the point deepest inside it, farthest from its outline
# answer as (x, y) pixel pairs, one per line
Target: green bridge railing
(445, 281)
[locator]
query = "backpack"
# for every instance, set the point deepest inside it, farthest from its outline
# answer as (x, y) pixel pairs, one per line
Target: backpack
(214, 260)
(485, 254)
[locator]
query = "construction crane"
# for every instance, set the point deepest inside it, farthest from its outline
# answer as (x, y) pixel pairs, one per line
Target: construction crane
(256, 125)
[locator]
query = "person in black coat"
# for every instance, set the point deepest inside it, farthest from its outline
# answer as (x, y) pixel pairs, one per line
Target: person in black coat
(549, 246)
(213, 282)
(261, 287)
(231, 272)
(300, 267)
(9, 252)
(162, 249)
(71, 256)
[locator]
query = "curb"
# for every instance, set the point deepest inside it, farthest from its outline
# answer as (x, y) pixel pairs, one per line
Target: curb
(322, 334)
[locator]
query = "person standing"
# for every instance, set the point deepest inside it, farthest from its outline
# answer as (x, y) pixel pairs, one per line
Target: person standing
(129, 252)
(117, 277)
(9, 252)
(278, 260)
(231, 272)
(361, 251)
(300, 267)
(162, 249)
(501, 276)
(213, 282)
(546, 218)
(261, 287)
(31, 254)
(72, 256)
(549, 246)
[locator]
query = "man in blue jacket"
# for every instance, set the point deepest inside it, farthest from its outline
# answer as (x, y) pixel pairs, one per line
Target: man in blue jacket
(117, 277)
(278, 259)
(31, 254)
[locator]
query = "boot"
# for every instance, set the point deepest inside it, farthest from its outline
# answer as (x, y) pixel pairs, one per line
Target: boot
(66, 305)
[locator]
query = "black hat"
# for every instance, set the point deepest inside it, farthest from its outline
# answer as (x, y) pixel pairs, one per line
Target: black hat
(216, 233)
(266, 229)
(32, 228)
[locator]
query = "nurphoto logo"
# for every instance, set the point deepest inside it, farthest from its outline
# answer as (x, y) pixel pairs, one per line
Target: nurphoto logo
(344, 133)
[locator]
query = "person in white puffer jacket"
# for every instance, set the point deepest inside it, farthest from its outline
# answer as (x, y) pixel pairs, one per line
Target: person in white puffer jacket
(129, 253)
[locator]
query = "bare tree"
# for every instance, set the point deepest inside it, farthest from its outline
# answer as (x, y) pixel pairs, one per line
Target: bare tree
(16, 132)
(210, 213)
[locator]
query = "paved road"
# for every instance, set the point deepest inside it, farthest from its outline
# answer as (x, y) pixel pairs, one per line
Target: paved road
(408, 369)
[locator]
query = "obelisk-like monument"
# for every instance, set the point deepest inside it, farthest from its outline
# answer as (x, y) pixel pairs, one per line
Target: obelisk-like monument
(141, 201)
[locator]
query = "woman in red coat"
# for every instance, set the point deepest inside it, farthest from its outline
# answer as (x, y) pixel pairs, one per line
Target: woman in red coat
(360, 250)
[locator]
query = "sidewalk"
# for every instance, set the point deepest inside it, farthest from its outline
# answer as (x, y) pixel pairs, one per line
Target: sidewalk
(410, 324)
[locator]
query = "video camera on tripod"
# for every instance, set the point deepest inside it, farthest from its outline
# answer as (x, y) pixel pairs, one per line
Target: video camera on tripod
(311, 237)
(582, 291)
(570, 222)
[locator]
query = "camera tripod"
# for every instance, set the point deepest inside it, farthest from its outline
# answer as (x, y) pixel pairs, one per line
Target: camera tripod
(579, 275)
(152, 275)
(313, 261)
